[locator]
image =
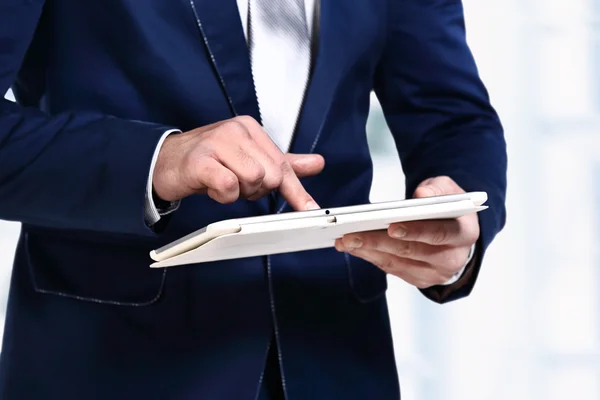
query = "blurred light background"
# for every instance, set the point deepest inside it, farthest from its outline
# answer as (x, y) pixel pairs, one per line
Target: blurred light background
(530, 330)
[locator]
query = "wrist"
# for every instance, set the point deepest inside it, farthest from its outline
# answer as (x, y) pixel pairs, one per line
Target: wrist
(155, 206)
(163, 174)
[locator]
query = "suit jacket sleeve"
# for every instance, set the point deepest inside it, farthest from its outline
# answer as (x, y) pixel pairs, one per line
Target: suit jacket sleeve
(72, 170)
(440, 115)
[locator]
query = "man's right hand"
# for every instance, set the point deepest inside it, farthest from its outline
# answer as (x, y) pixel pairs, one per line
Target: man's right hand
(232, 159)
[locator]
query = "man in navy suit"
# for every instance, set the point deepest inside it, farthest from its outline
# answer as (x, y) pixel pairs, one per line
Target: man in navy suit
(138, 122)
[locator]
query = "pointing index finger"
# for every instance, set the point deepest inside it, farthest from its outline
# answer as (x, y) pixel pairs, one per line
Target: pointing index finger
(294, 193)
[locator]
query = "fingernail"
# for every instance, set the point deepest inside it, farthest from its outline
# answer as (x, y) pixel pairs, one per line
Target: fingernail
(355, 243)
(312, 205)
(399, 232)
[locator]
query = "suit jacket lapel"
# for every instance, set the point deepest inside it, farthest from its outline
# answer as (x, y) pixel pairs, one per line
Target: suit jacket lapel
(223, 36)
(221, 30)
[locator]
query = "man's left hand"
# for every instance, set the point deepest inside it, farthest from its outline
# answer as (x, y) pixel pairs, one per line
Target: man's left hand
(423, 253)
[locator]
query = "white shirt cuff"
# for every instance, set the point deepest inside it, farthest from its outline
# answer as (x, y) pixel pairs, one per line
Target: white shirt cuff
(457, 275)
(151, 213)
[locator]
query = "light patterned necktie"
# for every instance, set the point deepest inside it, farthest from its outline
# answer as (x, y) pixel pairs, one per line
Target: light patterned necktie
(279, 43)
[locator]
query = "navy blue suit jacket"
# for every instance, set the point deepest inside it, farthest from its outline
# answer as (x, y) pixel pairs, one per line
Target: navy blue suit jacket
(97, 84)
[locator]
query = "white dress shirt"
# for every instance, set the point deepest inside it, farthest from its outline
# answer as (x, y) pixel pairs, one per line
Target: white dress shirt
(153, 215)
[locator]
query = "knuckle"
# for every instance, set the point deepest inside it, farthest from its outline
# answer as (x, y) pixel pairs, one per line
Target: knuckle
(278, 158)
(229, 184)
(235, 127)
(387, 264)
(209, 136)
(370, 242)
(406, 249)
(246, 120)
(417, 230)
(254, 175)
(198, 173)
(244, 158)
(439, 235)
(228, 198)
(223, 197)
(286, 167)
(273, 180)
(209, 147)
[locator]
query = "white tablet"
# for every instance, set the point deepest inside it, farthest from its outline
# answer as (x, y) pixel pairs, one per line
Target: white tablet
(306, 230)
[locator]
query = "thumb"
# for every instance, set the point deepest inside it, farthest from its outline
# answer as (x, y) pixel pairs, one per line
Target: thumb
(305, 164)
(438, 186)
